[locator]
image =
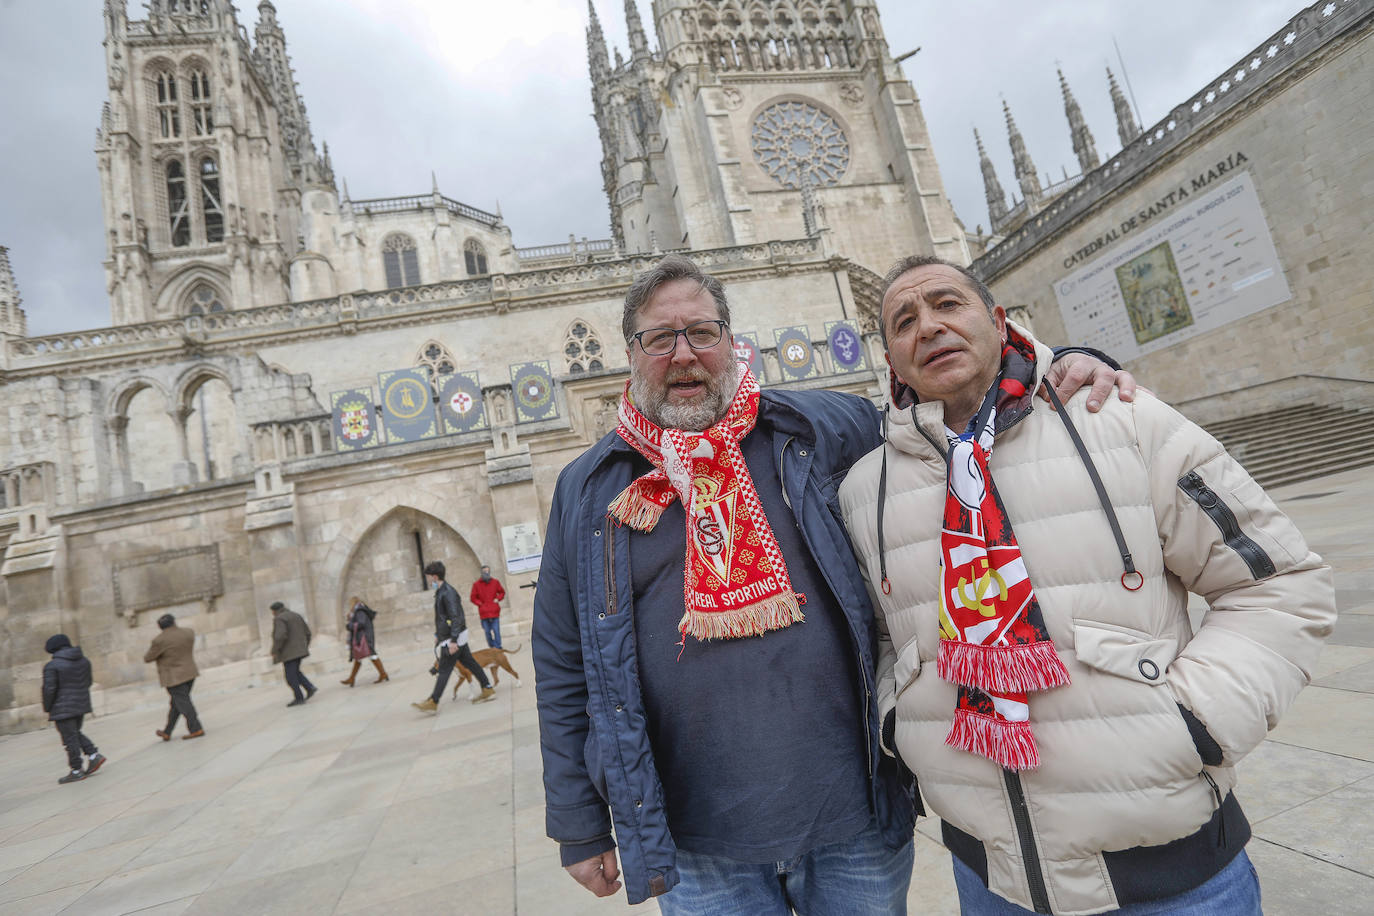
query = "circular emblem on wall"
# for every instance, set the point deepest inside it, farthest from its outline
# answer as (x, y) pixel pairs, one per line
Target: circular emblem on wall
(852, 94)
(461, 403)
(533, 392)
(795, 141)
(795, 355)
(733, 97)
(406, 398)
(745, 351)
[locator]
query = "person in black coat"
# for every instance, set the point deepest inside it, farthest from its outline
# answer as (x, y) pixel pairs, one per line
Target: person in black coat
(451, 640)
(66, 699)
(362, 640)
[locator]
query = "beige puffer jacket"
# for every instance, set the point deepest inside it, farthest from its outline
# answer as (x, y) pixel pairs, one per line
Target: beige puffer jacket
(1119, 769)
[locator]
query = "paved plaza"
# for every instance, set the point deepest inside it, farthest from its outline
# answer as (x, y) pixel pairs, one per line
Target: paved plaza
(357, 803)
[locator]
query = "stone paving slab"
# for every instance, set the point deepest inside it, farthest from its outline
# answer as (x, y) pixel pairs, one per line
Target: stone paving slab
(356, 803)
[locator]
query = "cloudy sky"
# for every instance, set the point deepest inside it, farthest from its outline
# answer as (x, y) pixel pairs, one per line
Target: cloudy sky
(493, 97)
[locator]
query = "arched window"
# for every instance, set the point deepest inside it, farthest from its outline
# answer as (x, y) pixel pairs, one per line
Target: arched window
(475, 257)
(205, 300)
(583, 350)
(178, 213)
(439, 360)
(168, 112)
(200, 103)
(210, 207)
(401, 261)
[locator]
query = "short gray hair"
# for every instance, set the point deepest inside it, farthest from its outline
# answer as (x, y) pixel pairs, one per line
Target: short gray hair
(673, 267)
(913, 261)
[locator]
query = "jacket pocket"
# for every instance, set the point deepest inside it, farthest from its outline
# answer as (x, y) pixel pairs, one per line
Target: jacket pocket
(596, 770)
(1124, 652)
(908, 665)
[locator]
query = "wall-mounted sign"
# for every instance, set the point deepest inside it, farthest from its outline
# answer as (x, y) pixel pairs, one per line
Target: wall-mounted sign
(846, 346)
(354, 419)
(522, 545)
(460, 403)
(796, 356)
(532, 385)
(747, 351)
(1211, 263)
(407, 405)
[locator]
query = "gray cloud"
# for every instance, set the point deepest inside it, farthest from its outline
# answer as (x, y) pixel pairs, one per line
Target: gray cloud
(496, 102)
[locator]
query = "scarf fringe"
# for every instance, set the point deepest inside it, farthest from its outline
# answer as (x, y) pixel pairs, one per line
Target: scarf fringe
(751, 620)
(1002, 669)
(632, 508)
(1009, 744)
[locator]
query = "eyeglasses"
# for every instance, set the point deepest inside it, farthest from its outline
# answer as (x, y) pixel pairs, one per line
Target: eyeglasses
(701, 335)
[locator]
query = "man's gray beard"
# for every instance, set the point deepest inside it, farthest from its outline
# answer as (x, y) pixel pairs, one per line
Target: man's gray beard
(720, 391)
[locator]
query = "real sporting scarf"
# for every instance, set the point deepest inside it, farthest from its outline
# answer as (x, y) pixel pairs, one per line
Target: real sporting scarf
(735, 582)
(993, 641)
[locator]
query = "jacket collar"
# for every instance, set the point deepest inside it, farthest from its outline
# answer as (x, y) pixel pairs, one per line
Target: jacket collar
(919, 430)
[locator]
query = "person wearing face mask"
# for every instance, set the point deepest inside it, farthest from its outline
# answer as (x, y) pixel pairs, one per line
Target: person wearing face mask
(488, 593)
(362, 640)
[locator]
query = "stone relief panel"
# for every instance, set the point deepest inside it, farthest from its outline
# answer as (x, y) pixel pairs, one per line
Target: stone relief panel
(165, 579)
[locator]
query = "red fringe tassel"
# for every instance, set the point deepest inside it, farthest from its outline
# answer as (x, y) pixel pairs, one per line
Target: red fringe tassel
(1009, 744)
(1002, 669)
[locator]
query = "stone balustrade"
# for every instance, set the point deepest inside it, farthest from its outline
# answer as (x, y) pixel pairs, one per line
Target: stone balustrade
(1305, 34)
(27, 485)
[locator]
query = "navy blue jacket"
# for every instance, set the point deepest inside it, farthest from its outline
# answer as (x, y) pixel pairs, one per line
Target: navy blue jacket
(67, 684)
(598, 764)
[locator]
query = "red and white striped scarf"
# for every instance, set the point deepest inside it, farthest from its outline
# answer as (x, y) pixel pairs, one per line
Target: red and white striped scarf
(735, 583)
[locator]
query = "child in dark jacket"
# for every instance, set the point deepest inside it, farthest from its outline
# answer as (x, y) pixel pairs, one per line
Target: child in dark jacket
(66, 699)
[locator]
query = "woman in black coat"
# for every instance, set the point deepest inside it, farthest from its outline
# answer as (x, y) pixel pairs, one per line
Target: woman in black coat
(362, 640)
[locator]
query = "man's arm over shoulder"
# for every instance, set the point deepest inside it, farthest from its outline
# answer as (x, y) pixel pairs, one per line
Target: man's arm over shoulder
(1271, 600)
(575, 814)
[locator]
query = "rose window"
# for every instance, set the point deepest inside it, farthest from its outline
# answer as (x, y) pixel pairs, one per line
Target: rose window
(795, 143)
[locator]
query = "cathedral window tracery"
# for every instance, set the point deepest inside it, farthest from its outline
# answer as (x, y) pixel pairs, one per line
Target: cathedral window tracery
(582, 349)
(205, 300)
(474, 257)
(796, 143)
(168, 108)
(400, 260)
(438, 359)
(178, 213)
(200, 103)
(211, 210)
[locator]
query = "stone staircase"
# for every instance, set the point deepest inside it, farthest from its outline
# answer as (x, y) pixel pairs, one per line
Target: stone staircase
(1290, 444)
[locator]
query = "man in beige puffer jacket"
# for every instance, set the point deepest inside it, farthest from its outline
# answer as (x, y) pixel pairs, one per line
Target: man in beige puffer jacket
(1129, 804)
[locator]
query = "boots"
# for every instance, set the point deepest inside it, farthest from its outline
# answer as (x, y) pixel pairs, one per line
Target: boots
(352, 675)
(488, 693)
(427, 706)
(381, 672)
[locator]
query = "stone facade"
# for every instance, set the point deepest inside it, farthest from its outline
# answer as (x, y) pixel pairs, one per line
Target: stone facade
(1295, 115)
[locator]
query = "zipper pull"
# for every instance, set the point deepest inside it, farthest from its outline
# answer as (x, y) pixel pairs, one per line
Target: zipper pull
(1221, 824)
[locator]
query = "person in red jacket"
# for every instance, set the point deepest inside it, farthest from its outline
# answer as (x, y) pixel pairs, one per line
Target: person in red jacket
(487, 593)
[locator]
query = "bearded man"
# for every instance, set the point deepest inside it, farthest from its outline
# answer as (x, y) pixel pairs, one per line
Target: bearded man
(744, 772)
(1038, 669)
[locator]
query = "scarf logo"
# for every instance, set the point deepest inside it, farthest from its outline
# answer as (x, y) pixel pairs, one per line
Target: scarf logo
(714, 525)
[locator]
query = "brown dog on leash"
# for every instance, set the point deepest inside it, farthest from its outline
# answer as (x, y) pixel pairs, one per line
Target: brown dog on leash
(492, 659)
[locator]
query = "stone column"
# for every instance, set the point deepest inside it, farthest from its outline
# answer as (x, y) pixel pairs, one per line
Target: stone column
(274, 549)
(515, 501)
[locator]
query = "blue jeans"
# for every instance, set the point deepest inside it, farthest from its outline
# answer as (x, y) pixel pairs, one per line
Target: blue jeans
(1233, 891)
(859, 876)
(491, 629)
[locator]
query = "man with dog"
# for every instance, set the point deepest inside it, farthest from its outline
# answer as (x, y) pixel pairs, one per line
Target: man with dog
(1037, 668)
(451, 640)
(745, 773)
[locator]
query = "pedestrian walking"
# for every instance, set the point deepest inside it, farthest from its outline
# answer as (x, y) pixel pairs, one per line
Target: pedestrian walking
(173, 650)
(290, 644)
(66, 700)
(451, 640)
(487, 593)
(362, 640)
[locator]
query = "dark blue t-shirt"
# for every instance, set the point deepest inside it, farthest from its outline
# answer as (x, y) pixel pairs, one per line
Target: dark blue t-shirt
(758, 741)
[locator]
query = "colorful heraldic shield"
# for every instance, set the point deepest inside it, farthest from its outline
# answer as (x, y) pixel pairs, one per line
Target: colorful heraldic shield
(796, 356)
(460, 403)
(747, 351)
(846, 346)
(408, 405)
(533, 389)
(355, 419)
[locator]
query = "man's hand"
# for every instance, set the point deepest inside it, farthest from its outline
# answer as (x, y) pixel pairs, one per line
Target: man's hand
(453, 647)
(1070, 373)
(599, 874)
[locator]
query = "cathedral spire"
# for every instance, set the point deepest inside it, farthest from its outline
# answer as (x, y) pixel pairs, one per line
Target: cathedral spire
(12, 319)
(1083, 146)
(1021, 161)
(1126, 127)
(598, 61)
(992, 188)
(269, 53)
(639, 45)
